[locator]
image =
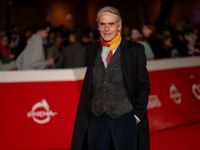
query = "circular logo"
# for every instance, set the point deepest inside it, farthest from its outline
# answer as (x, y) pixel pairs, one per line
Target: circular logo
(196, 91)
(174, 94)
(41, 114)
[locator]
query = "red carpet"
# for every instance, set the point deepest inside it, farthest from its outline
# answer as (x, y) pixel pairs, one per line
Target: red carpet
(180, 138)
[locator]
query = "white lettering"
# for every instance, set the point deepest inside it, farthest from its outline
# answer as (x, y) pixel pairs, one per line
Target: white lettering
(196, 91)
(41, 114)
(174, 94)
(153, 102)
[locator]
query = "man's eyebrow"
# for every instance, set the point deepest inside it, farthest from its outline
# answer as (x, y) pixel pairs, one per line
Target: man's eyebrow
(107, 23)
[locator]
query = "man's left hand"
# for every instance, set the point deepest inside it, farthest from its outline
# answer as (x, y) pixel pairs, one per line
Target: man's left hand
(137, 120)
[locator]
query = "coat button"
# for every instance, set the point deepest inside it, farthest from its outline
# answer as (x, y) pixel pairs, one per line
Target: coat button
(86, 99)
(85, 113)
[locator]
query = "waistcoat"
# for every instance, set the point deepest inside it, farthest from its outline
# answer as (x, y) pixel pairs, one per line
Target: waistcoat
(109, 93)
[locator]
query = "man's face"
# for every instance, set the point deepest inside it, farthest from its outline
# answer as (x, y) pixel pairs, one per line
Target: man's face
(107, 26)
(43, 34)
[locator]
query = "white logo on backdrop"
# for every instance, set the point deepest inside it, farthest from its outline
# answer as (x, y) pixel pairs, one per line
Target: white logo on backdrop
(196, 88)
(174, 94)
(41, 114)
(153, 102)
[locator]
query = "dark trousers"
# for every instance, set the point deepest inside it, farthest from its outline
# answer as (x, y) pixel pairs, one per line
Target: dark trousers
(103, 130)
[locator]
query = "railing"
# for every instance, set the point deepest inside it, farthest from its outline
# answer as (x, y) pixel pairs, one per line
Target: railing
(38, 107)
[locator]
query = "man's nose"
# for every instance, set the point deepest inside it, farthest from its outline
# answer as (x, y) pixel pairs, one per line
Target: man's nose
(106, 27)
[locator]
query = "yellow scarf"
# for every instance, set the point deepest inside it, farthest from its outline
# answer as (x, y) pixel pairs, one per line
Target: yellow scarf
(114, 43)
(109, 46)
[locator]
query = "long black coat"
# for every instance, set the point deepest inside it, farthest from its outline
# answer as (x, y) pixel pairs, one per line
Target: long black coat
(136, 79)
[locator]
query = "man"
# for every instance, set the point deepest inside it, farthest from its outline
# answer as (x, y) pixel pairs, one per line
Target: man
(113, 102)
(33, 56)
(74, 55)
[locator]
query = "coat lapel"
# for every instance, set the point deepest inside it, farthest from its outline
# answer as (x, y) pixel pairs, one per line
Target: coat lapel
(114, 58)
(127, 63)
(126, 58)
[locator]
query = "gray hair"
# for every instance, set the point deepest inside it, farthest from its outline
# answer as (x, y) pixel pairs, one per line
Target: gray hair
(111, 10)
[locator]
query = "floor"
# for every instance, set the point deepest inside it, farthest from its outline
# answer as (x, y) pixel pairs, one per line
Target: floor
(180, 138)
(185, 137)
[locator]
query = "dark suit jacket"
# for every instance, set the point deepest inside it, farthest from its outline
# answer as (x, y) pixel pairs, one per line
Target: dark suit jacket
(73, 56)
(136, 79)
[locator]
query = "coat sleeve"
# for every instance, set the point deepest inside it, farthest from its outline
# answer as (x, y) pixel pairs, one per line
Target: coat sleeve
(38, 59)
(143, 85)
(19, 61)
(82, 115)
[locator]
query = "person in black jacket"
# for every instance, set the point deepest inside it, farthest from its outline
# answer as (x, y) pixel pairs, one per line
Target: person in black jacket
(167, 45)
(113, 103)
(74, 55)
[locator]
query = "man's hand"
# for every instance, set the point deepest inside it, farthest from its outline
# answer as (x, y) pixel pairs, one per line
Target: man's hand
(51, 61)
(137, 120)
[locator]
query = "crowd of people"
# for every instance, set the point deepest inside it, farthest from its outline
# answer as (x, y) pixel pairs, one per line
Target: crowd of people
(45, 47)
(171, 43)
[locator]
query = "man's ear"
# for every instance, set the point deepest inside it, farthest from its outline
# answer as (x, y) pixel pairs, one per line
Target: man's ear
(120, 26)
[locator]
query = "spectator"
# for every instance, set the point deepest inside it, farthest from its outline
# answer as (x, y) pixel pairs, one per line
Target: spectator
(74, 55)
(26, 37)
(5, 54)
(28, 32)
(33, 55)
(51, 38)
(178, 42)
(196, 31)
(149, 33)
(15, 44)
(54, 50)
(13, 28)
(193, 50)
(88, 38)
(136, 35)
(167, 45)
(183, 51)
